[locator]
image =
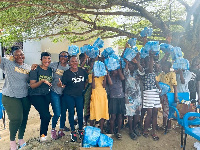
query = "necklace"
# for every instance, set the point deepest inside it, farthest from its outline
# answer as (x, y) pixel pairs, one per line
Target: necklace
(75, 73)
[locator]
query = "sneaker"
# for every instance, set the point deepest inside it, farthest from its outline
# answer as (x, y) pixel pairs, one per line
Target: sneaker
(73, 136)
(66, 129)
(53, 134)
(60, 134)
(81, 133)
(43, 138)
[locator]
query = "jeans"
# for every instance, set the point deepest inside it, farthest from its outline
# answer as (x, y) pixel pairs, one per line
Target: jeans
(72, 101)
(17, 110)
(41, 104)
(56, 102)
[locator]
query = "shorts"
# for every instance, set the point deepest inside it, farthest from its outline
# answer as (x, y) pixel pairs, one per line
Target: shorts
(116, 106)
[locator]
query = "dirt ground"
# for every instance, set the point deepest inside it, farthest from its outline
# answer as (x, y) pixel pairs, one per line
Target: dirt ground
(170, 141)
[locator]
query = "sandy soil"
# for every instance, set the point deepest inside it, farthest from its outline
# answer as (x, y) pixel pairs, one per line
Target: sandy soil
(170, 141)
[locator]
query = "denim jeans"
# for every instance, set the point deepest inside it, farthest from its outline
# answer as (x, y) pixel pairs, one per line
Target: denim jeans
(56, 102)
(76, 101)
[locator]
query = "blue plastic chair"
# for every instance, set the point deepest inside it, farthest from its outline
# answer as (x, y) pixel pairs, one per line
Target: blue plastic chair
(173, 109)
(2, 111)
(194, 131)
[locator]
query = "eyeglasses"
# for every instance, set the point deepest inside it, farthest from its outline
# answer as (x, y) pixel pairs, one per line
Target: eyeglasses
(65, 56)
(19, 55)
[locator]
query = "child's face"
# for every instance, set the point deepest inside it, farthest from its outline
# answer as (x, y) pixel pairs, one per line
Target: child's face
(165, 68)
(131, 66)
(114, 72)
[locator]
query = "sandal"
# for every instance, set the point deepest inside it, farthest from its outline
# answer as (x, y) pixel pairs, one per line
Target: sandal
(155, 137)
(146, 134)
(137, 132)
(133, 136)
(118, 136)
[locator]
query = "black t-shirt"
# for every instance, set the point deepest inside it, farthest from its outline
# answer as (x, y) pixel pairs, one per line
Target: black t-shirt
(39, 74)
(192, 85)
(74, 81)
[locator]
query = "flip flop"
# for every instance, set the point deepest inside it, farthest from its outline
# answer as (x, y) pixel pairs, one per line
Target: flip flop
(146, 134)
(23, 145)
(118, 136)
(155, 137)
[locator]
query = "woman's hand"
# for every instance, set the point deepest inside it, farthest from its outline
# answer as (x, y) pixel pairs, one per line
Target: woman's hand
(46, 82)
(34, 66)
(60, 84)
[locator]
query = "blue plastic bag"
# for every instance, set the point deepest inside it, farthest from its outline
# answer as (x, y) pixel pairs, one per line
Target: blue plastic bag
(105, 141)
(92, 51)
(146, 32)
(98, 43)
(107, 51)
(99, 69)
(143, 53)
(112, 63)
(73, 50)
(176, 53)
(181, 63)
(132, 42)
(152, 45)
(130, 53)
(164, 87)
(84, 48)
(91, 136)
(166, 48)
(123, 63)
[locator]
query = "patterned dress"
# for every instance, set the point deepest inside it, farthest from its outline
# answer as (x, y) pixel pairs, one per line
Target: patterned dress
(132, 93)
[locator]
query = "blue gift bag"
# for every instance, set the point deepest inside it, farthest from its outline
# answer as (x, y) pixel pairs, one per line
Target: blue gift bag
(99, 69)
(132, 42)
(164, 87)
(107, 51)
(98, 43)
(130, 53)
(152, 45)
(92, 51)
(105, 141)
(143, 53)
(91, 136)
(73, 50)
(84, 48)
(166, 48)
(146, 32)
(112, 63)
(176, 53)
(123, 63)
(181, 63)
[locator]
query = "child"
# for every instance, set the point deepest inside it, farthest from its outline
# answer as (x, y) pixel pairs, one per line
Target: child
(117, 101)
(99, 101)
(169, 78)
(194, 84)
(88, 92)
(133, 95)
(150, 90)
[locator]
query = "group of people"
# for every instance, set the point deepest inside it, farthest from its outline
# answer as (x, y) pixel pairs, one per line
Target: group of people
(70, 85)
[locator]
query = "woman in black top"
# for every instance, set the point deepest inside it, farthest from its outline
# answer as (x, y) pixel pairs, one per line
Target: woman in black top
(40, 83)
(74, 80)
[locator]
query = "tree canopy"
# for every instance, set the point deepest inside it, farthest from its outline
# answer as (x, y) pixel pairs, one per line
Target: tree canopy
(79, 20)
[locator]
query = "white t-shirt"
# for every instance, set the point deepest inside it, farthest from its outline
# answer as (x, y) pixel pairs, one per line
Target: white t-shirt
(187, 75)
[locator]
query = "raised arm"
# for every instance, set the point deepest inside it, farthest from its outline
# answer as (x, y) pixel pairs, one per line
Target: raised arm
(151, 62)
(121, 76)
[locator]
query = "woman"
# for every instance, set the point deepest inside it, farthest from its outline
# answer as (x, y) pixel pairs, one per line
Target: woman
(40, 83)
(56, 93)
(14, 95)
(74, 81)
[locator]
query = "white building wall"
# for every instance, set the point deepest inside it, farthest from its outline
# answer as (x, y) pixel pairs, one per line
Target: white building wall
(33, 49)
